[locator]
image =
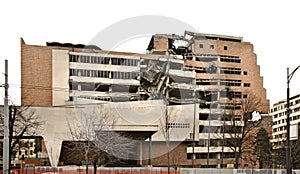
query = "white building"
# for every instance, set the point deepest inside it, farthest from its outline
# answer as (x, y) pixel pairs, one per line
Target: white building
(278, 111)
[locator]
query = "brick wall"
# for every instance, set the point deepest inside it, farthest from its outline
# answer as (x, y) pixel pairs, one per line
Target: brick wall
(36, 75)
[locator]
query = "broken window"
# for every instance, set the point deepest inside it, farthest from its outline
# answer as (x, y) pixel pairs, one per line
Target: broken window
(226, 70)
(230, 82)
(207, 82)
(212, 69)
(246, 84)
(208, 57)
(87, 86)
(212, 47)
(181, 93)
(225, 47)
(120, 88)
(178, 79)
(102, 87)
(232, 59)
(211, 96)
(177, 66)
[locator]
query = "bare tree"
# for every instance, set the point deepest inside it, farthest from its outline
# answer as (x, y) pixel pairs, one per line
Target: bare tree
(92, 134)
(22, 123)
(241, 124)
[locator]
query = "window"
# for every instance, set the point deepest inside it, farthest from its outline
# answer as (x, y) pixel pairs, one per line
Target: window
(245, 72)
(212, 47)
(226, 70)
(201, 46)
(178, 125)
(225, 47)
(233, 59)
(246, 84)
(73, 58)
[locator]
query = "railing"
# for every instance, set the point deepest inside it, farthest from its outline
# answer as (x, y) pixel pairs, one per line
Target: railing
(143, 170)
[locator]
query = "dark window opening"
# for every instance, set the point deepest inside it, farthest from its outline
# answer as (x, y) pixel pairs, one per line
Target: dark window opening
(203, 116)
(102, 88)
(177, 66)
(73, 86)
(87, 87)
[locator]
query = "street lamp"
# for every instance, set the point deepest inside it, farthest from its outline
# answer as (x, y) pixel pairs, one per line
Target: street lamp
(288, 144)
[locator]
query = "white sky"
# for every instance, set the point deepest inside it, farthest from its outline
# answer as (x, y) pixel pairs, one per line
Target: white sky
(272, 26)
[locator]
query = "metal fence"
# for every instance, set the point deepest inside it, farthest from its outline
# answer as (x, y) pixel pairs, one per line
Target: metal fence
(146, 170)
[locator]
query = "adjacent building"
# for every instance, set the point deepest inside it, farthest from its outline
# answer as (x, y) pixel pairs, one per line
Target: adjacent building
(203, 79)
(279, 113)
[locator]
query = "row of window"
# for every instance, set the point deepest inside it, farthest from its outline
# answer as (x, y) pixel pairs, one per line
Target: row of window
(178, 125)
(102, 74)
(25, 152)
(212, 47)
(216, 142)
(296, 117)
(284, 106)
(214, 95)
(214, 57)
(218, 38)
(222, 82)
(210, 155)
(206, 116)
(220, 129)
(220, 106)
(103, 60)
(102, 98)
(223, 70)
(230, 60)
(285, 112)
(81, 86)
(282, 128)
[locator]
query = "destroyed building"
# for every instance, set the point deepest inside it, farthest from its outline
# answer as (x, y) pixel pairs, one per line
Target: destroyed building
(198, 77)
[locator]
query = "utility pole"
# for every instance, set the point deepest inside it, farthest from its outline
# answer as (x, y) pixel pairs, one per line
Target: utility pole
(288, 111)
(288, 145)
(6, 124)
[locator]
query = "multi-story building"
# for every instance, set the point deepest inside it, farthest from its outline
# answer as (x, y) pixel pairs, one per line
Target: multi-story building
(210, 75)
(279, 131)
(278, 111)
(227, 67)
